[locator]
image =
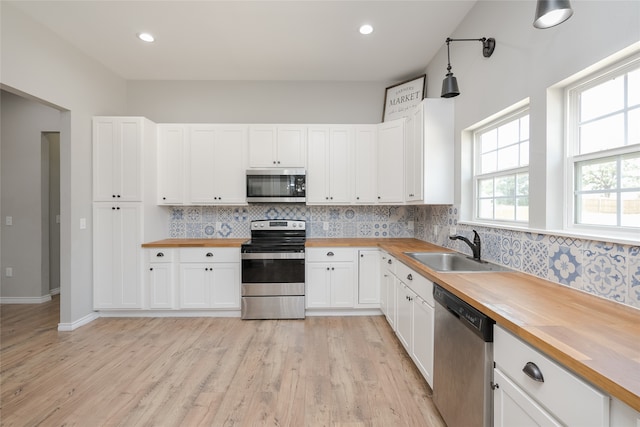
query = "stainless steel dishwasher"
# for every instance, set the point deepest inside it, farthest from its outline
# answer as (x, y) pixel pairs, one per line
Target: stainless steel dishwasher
(463, 362)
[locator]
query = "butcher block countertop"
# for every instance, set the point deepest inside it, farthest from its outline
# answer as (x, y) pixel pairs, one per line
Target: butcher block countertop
(596, 338)
(195, 243)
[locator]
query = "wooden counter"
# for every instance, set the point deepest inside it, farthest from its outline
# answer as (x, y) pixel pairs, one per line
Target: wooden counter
(195, 243)
(596, 338)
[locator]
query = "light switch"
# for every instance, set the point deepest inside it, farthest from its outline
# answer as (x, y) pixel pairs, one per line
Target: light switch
(83, 223)
(8, 272)
(9, 220)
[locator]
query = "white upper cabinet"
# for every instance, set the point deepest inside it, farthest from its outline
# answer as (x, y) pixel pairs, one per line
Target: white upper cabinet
(117, 158)
(171, 146)
(365, 164)
(391, 162)
(216, 164)
(277, 146)
(329, 165)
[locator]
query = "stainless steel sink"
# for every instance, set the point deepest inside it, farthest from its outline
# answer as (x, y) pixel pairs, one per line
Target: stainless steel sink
(454, 263)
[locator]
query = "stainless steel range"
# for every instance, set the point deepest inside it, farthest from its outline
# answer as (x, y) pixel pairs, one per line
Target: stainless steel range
(273, 272)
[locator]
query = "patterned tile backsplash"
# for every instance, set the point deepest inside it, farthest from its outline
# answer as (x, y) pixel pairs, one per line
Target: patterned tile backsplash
(609, 270)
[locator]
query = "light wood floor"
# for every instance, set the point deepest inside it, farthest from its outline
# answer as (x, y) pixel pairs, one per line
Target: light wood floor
(323, 371)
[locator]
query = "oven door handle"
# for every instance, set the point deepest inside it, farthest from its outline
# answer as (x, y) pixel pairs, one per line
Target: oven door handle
(273, 255)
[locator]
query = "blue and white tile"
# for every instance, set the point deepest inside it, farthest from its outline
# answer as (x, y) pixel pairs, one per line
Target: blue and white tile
(565, 265)
(319, 213)
(334, 213)
(633, 274)
(335, 230)
(350, 215)
(535, 255)
(511, 252)
(350, 229)
(365, 229)
(193, 230)
(316, 230)
(397, 229)
(225, 230)
(491, 247)
(209, 213)
(381, 213)
(177, 230)
(177, 214)
(240, 214)
(272, 213)
(604, 270)
(380, 230)
(364, 213)
(225, 213)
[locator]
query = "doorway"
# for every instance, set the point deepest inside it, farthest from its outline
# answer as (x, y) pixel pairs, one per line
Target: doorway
(51, 207)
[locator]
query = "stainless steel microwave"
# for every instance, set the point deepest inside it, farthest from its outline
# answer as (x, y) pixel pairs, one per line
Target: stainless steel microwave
(276, 185)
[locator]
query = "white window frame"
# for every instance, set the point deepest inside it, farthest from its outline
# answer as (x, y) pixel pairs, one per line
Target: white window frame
(571, 95)
(517, 113)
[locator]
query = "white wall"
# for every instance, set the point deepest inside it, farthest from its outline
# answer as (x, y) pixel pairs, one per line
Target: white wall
(23, 122)
(525, 63)
(256, 102)
(38, 64)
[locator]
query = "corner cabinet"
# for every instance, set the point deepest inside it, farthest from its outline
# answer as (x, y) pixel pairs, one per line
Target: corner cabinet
(277, 146)
(429, 159)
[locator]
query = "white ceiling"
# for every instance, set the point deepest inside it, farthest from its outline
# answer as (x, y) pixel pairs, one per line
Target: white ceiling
(255, 40)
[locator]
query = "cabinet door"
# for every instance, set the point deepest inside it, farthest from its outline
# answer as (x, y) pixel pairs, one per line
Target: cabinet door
(229, 165)
(318, 285)
(117, 159)
(317, 166)
(391, 162)
(195, 285)
(262, 146)
(438, 151)
(225, 291)
(200, 170)
(512, 407)
(369, 277)
(392, 284)
(160, 285)
(291, 146)
(365, 179)
(117, 265)
(414, 154)
(342, 285)
(423, 315)
(404, 326)
(340, 164)
(171, 146)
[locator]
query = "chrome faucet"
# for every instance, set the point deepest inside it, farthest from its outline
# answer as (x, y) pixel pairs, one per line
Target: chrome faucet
(475, 246)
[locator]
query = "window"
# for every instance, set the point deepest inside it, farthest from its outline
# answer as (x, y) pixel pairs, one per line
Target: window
(603, 150)
(501, 169)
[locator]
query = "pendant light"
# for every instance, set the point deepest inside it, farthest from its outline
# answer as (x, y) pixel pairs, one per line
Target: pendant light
(550, 13)
(450, 83)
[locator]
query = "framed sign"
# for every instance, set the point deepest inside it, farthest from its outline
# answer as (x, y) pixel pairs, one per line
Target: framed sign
(400, 98)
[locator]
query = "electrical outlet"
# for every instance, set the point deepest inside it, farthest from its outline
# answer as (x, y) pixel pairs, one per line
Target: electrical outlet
(8, 272)
(9, 220)
(83, 223)
(436, 230)
(452, 231)
(325, 226)
(410, 225)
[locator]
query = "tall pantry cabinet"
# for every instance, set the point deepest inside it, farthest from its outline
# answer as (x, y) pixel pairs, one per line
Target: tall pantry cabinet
(118, 207)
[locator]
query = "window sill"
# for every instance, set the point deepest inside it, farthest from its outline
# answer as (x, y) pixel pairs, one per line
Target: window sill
(609, 237)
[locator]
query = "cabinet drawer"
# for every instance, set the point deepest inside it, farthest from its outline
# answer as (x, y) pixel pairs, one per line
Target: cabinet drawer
(569, 398)
(210, 255)
(330, 254)
(417, 282)
(159, 255)
(390, 264)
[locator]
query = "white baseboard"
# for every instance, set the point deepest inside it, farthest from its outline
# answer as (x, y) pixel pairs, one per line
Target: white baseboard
(25, 300)
(169, 313)
(67, 327)
(344, 312)
(55, 291)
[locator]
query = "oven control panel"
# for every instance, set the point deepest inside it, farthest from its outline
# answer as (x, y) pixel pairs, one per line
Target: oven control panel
(278, 224)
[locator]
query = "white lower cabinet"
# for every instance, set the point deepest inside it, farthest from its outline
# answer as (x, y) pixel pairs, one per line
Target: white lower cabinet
(117, 259)
(407, 302)
(209, 278)
(160, 279)
(533, 390)
(330, 278)
(368, 278)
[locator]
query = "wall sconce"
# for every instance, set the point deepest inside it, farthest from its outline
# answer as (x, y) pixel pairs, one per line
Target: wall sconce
(550, 13)
(450, 83)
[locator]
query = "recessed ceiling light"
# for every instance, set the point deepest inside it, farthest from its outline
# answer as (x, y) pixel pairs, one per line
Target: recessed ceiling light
(146, 37)
(366, 29)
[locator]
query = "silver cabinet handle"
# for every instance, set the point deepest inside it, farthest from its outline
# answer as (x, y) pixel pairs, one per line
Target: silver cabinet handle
(209, 254)
(409, 277)
(533, 372)
(160, 254)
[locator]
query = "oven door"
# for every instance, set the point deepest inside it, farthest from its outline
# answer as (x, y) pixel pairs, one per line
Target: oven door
(286, 268)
